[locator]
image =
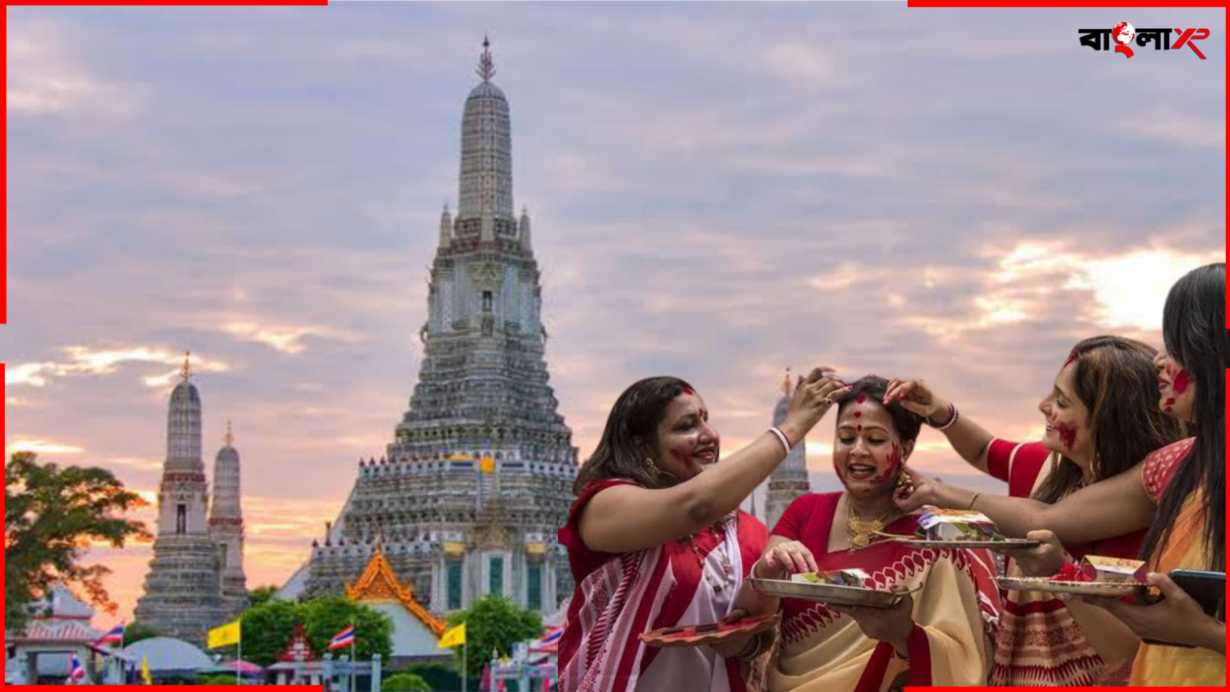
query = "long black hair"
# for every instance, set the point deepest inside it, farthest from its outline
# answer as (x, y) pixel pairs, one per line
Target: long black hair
(631, 428)
(1116, 380)
(1194, 329)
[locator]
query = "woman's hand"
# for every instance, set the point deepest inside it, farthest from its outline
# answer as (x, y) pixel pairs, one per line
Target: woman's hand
(915, 396)
(782, 559)
(1042, 561)
(917, 490)
(812, 398)
(1176, 619)
(892, 625)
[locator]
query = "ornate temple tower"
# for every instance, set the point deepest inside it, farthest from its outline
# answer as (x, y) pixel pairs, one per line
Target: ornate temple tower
(226, 526)
(183, 595)
(789, 480)
(477, 479)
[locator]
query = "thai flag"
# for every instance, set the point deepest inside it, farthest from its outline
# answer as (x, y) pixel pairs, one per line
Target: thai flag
(76, 672)
(549, 642)
(342, 639)
(551, 635)
(115, 636)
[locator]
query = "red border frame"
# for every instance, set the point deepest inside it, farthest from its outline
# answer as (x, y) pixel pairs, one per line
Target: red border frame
(911, 3)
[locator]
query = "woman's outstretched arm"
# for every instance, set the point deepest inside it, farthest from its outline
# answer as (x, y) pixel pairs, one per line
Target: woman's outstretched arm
(625, 518)
(1105, 509)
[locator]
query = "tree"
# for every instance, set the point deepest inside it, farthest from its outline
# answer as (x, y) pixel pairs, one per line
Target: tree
(493, 624)
(326, 616)
(51, 515)
(261, 594)
(404, 682)
(266, 629)
(216, 679)
(136, 631)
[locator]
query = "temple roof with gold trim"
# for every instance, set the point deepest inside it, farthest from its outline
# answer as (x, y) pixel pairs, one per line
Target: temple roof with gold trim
(380, 583)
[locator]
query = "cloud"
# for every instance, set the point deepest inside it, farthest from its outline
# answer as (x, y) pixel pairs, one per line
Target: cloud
(48, 77)
(41, 447)
(285, 339)
(83, 360)
(1176, 128)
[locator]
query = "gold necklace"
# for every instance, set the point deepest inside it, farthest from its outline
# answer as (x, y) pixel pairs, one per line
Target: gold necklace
(863, 531)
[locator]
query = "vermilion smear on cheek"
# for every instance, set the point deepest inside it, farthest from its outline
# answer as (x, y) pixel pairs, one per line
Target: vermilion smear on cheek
(681, 457)
(837, 469)
(1067, 433)
(894, 465)
(1181, 381)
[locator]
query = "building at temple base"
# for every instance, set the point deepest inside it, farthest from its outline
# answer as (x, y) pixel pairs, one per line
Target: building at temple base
(415, 629)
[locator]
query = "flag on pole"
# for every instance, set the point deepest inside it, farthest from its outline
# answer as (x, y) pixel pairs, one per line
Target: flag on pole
(452, 637)
(76, 671)
(114, 636)
(342, 639)
(145, 675)
(223, 635)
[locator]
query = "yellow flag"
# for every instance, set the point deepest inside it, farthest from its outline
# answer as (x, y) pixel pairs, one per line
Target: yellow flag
(226, 634)
(145, 676)
(455, 636)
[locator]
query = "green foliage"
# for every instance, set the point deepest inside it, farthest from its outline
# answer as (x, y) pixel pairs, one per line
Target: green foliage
(216, 679)
(51, 515)
(404, 682)
(265, 630)
(326, 616)
(438, 677)
(493, 624)
(261, 594)
(136, 631)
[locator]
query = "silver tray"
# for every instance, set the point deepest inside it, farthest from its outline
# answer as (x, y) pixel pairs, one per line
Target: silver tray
(1079, 588)
(1004, 544)
(827, 593)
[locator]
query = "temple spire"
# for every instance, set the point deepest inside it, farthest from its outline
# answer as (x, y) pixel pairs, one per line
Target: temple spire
(186, 370)
(230, 438)
(486, 67)
(786, 383)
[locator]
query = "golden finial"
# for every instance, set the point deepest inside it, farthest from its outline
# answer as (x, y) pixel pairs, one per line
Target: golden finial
(786, 383)
(186, 371)
(486, 68)
(229, 437)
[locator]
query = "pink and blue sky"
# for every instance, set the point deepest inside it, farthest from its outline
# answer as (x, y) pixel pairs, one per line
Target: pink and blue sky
(717, 192)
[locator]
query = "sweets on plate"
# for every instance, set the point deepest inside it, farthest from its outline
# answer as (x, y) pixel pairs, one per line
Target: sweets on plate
(956, 525)
(1113, 569)
(1106, 570)
(836, 577)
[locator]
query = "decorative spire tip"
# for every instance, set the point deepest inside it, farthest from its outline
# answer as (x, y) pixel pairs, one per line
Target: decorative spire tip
(229, 437)
(186, 371)
(786, 383)
(486, 67)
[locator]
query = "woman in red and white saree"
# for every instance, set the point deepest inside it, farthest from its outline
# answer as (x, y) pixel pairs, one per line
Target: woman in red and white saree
(655, 540)
(938, 635)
